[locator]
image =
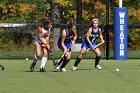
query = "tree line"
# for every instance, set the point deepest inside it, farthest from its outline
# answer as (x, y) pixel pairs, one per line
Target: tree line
(24, 11)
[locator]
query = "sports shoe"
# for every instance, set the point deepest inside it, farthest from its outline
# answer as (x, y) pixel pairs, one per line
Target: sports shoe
(42, 70)
(57, 67)
(63, 70)
(32, 66)
(74, 68)
(99, 67)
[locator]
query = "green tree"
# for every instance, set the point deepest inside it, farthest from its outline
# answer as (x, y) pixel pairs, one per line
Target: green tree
(15, 11)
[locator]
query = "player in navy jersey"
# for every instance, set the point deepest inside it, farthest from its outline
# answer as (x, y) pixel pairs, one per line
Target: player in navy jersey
(67, 38)
(42, 43)
(89, 42)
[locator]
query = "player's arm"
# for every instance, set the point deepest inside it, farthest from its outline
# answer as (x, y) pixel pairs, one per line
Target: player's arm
(48, 40)
(101, 36)
(63, 35)
(75, 35)
(49, 32)
(40, 35)
(48, 37)
(88, 35)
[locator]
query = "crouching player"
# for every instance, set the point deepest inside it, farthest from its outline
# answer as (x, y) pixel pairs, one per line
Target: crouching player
(67, 38)
(42, 43)
(90, 42)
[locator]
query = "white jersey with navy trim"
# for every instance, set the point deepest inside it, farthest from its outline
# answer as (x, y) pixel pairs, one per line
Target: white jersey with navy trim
(45, 34)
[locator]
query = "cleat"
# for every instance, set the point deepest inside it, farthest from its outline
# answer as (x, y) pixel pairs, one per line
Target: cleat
(42, 70)
(63, 70)
(32, 67)
(74, 68)
(98, 67)
(57, 67)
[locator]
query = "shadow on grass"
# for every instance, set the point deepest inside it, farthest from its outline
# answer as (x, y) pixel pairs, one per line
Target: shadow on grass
(31, 71)
(41, 72)
(55, 70)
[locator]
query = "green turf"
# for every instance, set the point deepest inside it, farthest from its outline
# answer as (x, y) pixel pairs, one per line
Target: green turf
(16, 78)
(30, 54)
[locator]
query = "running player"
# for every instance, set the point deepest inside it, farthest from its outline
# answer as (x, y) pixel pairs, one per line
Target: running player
(89, 42)
(42, 42)
(67, 38)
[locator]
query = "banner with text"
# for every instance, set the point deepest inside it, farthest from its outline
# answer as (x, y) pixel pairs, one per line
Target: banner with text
(120, 33)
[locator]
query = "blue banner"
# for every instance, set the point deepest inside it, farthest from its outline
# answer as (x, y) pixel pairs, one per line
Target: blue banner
(120, 33)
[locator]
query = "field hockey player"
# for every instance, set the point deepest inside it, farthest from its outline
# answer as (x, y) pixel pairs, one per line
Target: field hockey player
(67, 38)
(42, 39)
(90, 42)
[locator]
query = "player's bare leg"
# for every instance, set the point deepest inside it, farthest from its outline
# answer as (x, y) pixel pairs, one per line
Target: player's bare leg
(37, 55)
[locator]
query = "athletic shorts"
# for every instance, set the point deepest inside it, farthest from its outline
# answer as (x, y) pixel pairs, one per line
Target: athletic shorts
(86, 44)
(37, 41)
(68, 45)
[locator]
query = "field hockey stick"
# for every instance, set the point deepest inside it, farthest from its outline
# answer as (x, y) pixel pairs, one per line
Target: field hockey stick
(63, 55)
(52, 57)
(2, 67)
(98, 45)
(94, 47)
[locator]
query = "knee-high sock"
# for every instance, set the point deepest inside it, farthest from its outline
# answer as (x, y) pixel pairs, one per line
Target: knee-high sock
(43, 62)
(77, 61)
(65, 62)
(35, 60)
(97, 59)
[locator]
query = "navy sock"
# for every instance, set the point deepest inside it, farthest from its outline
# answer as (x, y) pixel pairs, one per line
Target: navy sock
(77, 61)
(65, 62)
(97, 59)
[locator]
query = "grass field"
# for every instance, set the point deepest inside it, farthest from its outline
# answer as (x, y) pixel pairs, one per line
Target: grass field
(30, 54)
(16, 78)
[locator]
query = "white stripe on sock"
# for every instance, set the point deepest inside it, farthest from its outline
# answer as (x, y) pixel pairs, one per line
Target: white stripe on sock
(35, 59)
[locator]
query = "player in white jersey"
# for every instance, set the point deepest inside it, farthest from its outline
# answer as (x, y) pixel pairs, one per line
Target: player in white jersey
(42, 42)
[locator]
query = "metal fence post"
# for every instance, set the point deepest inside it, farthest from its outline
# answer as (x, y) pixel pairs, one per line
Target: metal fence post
(107, 30)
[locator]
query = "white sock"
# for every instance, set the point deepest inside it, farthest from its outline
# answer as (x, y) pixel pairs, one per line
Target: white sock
(35, 59)
(43, 62)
